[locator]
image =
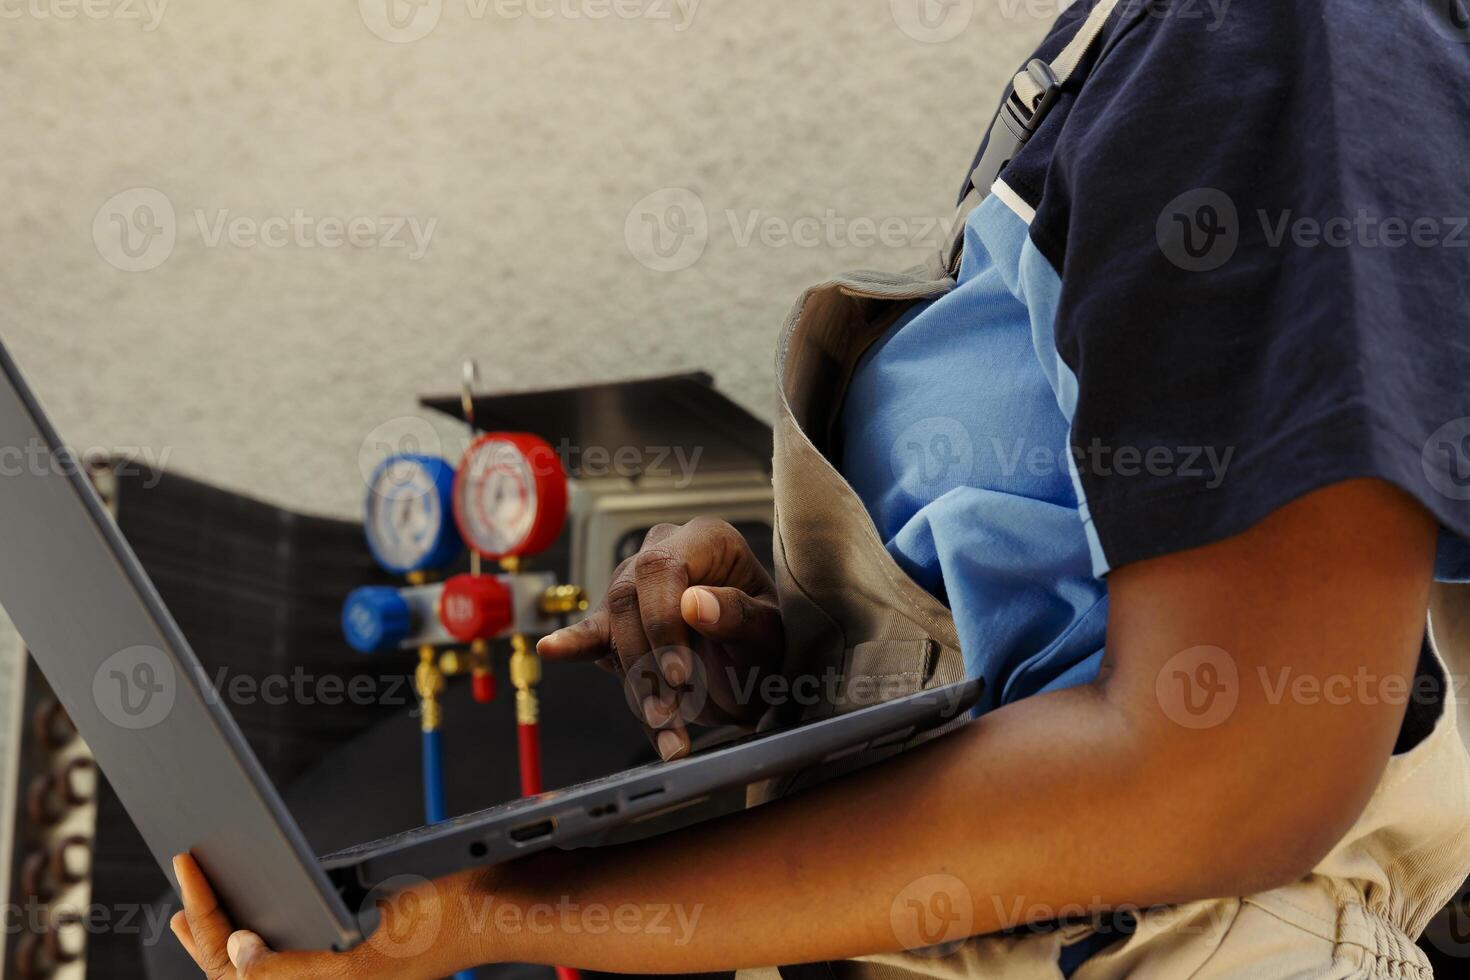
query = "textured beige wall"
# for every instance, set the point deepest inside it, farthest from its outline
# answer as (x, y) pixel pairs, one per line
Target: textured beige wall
(520, 135)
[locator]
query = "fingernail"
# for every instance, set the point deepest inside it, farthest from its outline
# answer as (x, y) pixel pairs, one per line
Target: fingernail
(670, 746)
(674, 669)
(232, 948)
(707, 607)
(655, 712)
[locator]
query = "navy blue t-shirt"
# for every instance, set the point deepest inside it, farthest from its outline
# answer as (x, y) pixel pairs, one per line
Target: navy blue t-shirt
(1231, 268)
(1259, 222)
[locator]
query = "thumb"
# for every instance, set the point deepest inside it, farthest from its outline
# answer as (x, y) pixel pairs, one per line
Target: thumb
(248, 953)
(730, 616)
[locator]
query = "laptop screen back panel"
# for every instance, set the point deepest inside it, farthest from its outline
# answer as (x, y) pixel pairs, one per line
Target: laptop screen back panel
(138, 695)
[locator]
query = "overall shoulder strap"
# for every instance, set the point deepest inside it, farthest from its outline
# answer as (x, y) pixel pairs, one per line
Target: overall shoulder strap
(1029, 99)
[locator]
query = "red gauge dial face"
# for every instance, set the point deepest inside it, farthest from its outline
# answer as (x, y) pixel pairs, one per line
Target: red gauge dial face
(510, 495)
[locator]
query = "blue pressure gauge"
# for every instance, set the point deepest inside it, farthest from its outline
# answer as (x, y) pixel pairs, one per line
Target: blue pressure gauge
(410, 520)
(376, 619)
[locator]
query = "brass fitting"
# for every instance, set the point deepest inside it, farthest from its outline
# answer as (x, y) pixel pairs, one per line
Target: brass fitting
(479, 656)
(563, 600)
(429, 682)
(525, 674)
(451, 663)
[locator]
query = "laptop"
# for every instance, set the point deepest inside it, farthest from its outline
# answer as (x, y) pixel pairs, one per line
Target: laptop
(118, 663)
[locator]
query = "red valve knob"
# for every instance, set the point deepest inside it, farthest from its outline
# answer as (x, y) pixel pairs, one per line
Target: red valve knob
(475, 607)
(482, 685)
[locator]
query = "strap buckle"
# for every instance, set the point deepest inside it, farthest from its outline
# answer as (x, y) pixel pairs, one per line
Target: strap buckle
(1016, 123)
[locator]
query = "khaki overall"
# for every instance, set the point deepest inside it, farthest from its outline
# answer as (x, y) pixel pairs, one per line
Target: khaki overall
(852, 612)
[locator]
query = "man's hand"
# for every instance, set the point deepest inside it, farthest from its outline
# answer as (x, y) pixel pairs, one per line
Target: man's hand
(423, 935)
(691, 623)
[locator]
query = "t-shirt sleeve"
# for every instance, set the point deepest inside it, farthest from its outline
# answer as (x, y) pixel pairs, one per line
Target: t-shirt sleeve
(1260, 222)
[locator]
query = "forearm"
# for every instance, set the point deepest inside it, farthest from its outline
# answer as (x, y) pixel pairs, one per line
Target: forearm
(1015, 809)
(1083, 800)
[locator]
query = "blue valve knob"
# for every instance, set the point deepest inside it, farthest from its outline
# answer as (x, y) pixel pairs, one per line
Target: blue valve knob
(376, 619)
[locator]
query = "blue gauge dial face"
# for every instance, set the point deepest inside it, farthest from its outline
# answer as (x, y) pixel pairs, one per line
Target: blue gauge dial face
(407, 517)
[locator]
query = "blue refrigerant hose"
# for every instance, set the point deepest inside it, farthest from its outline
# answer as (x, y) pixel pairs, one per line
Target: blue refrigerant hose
(435, 809)
(434, 806)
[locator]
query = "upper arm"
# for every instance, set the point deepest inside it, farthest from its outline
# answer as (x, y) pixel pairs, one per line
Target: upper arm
(1262, 288)
(1267, 433)
(1269, 672)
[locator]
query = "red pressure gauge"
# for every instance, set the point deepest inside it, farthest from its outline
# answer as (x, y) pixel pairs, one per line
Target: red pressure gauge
(510, 495)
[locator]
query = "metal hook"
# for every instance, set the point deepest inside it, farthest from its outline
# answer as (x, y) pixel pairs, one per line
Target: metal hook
(469, 376)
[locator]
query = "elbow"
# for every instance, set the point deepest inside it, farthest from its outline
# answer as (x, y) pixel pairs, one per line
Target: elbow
(1279, 852)
(1231, 847)
(1271, 837)
(1244, 827)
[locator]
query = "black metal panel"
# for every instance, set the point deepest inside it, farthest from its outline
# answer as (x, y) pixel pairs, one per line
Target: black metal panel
(682, 411)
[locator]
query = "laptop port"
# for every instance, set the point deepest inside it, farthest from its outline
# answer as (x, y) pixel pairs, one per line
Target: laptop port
(527, 833)
(606, 810)
(647, 794)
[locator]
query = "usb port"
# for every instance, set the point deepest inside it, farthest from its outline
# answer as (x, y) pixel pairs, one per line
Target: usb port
(532, 831)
